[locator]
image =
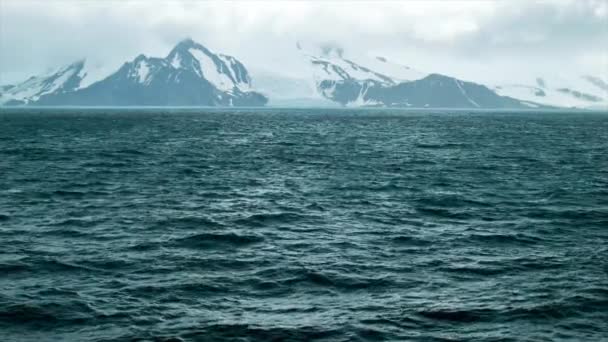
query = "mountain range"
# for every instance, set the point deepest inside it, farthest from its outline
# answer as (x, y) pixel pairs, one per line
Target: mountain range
(193, 75)
(190, 75)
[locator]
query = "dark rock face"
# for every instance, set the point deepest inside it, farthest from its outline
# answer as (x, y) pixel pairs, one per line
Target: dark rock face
(443, 91)
(580, 95)
(432, 91)
(349, 90)
(598, 82)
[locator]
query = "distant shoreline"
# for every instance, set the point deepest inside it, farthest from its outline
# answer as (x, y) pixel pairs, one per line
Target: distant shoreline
(273, 108)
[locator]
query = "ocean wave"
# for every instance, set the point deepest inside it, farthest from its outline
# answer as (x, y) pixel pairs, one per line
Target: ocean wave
(187, 222)
(8, 268)
(217, 240)
(171, 291)
(404, 240)
(336, 281)
(51, 314)
(76, 222)
(475, 270)
(124, 227)
(444, 213)
(231, 332)
(270, 218)
(440, 145)
(571, 307)
(499, 239)
(451, 201)
(455, 315)
(68, 193)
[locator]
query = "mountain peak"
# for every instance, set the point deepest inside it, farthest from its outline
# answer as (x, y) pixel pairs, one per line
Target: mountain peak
(140, 57)
(78, 63)
(189, 43)
(186, 43)
(183, 50)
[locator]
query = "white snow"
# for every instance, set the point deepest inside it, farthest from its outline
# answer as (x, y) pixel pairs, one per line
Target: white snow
(358, 67)
(210, 72)
(143, 70)
(359, 102)
(398, 72)
(176, 62)
(58, 82)
(552, 97)
(93, 72)
(230, 63)
(529, 104)
(325, 71)
(23, 91)
(465, 94)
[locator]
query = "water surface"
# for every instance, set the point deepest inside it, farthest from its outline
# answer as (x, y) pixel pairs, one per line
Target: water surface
(303, 225)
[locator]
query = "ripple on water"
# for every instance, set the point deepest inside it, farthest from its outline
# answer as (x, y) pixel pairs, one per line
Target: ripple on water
(211, 240)
(330, 225)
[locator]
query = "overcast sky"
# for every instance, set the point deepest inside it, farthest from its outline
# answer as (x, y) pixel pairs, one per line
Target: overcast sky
(462, 38)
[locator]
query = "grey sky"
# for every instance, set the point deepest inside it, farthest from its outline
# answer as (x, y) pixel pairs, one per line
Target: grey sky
(462, 38)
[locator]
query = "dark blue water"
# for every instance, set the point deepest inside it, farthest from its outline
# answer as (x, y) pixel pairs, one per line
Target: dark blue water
(303, 225)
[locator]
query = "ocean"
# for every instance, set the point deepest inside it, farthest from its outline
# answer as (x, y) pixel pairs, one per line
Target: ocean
(192, 224)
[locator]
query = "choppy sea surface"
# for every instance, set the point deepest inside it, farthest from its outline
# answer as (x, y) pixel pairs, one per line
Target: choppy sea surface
(303, 225)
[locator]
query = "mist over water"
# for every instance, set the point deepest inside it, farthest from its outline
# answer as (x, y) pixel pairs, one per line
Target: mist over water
(303, 225)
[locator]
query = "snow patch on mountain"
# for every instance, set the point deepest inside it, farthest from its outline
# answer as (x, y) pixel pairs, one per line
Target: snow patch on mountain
(396, 71)
(464, 93)
(236, 72)
(209, 70)
(143, 70)
(339, 68)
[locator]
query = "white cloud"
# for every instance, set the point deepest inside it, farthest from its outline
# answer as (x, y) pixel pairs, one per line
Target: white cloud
(458, 37)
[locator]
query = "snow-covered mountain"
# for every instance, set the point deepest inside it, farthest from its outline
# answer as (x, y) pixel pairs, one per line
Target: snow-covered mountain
(191, 75)
(379, 82)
